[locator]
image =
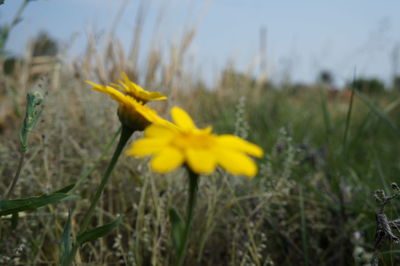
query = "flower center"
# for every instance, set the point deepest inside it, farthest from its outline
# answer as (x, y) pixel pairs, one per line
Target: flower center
(195, 141)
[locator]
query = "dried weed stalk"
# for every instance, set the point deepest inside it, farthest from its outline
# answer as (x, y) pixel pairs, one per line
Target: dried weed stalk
(384, 226)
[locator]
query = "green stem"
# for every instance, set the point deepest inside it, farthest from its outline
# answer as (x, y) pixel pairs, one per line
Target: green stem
(18, 15)
(193, 187)
(88, 172)
(16, 177)
(126, 133)
(17, 18)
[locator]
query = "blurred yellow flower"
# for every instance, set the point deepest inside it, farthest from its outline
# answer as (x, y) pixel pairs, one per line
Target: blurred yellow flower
(202, 151)
(132, 112)
(136, 91)
(132, 89)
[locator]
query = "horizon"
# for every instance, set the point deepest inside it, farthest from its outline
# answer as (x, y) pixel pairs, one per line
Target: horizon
(301, 40)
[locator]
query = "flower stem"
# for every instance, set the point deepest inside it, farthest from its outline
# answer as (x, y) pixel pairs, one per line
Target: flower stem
(16, 177)
(193, 187)
(126, 133)
(88, 172)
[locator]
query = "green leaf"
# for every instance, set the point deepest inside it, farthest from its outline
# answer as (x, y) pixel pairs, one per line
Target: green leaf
(65, 189)
(178, 229)
(98, 232)
(66, 240)
(1, 2)
(13, 206)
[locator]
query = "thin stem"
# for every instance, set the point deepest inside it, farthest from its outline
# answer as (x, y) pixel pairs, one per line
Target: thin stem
(17, 18)
(18, 15)
(16, 177)
(193, 187)
(125, 135)
(85, 174)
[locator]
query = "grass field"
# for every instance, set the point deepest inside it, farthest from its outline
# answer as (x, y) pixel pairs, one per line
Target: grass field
(311, 203)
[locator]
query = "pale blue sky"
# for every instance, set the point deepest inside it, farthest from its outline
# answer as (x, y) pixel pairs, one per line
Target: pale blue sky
(303, 36)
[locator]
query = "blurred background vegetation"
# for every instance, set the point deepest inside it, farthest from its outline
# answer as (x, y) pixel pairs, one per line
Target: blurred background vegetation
(328, 148)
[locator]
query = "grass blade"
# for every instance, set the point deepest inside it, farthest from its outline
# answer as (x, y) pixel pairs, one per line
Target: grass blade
(66, 240)
(91, 235)
(381, 114)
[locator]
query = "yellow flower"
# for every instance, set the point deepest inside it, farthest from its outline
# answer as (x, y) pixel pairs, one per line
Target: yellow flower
(132, 89)
(137, 92)
(202, 151)
(131, 111)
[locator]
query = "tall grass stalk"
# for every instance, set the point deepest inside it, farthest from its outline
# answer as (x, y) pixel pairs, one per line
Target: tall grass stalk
(348, 117)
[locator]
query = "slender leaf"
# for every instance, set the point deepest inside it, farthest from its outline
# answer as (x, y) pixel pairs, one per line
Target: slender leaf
(66, 189)
(12, 206)
(91, 235)
(66, 240)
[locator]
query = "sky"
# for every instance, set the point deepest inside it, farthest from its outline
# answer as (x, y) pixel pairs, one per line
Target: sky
(303, 37)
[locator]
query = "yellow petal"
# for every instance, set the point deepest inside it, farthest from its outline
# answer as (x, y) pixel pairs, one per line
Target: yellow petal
(113, 93)
(159, 131)
(206, 130)
(201, 161)
(144, 147)
(128, 83)
(236, 163)
(182, 119)
(93, 84)
(167, 160)
(162, 122)
(154, 95)
(122, 86)
(236, 143)
(118, 96)
(145, 111)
